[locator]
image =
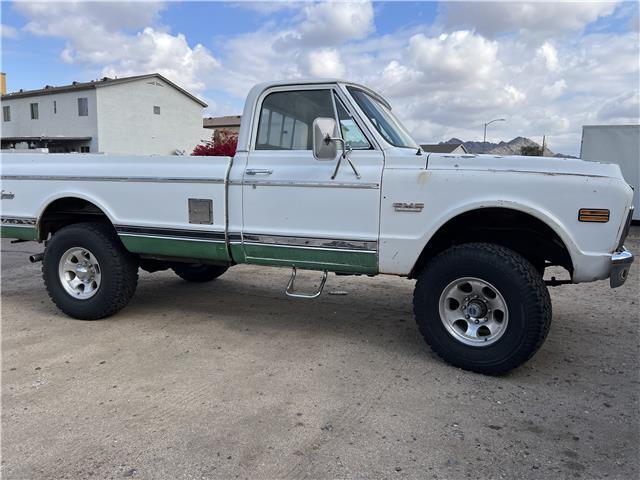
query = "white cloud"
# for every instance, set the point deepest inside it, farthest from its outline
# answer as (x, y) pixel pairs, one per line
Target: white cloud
(115, 38)
(549, 54)
(335, 22)
(169, 55)
(457, 56)
(621, 107)
(7, 31)
(554, 90)
(535, 17)
(325, 63)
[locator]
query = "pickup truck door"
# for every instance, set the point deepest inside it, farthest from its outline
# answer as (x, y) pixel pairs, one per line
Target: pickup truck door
(294, 214)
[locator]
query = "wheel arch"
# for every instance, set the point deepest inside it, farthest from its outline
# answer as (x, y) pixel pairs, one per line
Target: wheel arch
(483, 222)
(66, 208)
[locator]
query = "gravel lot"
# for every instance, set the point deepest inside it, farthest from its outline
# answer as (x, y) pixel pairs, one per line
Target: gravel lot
(234, 380)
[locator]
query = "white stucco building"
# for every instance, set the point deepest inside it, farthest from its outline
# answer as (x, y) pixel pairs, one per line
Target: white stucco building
(146, 115)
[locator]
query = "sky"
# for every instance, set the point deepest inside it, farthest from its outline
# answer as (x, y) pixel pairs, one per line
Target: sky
(445, 67)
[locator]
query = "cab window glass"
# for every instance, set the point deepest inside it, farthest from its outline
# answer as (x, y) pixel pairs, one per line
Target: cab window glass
(286, 119)
(351, 133)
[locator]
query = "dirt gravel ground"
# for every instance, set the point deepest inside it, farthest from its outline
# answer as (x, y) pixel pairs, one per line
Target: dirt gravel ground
(234, 380)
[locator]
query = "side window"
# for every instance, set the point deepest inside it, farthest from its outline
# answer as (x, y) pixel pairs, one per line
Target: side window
(6, 113)
(286, 119)
(34, 111)
(351, 133)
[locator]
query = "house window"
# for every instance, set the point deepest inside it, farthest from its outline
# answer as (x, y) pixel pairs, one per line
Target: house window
(83, 107)
(55, 107)
(34, 111)
(6, 113)
(156, 110)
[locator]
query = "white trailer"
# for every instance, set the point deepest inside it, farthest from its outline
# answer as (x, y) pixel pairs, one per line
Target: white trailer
(616, 144)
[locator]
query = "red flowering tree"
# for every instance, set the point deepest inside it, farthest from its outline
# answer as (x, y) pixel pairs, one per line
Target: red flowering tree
(223, 144)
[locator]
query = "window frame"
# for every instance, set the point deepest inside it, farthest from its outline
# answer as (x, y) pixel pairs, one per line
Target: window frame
(333, 89)
(34, 112)
(353, 117)
(6, 113)
(159, 110)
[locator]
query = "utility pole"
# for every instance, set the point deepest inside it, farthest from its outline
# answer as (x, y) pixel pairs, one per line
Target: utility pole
(484, 140)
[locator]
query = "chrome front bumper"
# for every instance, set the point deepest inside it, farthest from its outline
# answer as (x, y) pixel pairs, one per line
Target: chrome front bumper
(620, 264)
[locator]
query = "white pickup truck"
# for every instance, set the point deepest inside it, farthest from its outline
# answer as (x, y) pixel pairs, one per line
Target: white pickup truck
(326, 178)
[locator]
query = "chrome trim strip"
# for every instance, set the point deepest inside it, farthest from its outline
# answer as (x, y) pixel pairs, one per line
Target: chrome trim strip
(306, 242)
(77, 178)
(366, 246)
(167, 237)
(373, 252)
(292, 183)
(18, 221)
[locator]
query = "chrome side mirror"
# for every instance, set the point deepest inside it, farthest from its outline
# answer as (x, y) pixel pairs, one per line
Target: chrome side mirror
(325, 131)
(325, 138)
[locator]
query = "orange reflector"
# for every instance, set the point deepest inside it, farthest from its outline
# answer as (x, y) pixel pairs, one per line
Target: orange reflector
(599, 215)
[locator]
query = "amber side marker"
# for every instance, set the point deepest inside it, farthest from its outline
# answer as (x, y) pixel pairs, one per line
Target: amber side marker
(598, 215)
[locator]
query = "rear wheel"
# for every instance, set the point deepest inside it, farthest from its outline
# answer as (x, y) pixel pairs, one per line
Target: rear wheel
(87, 271)
(199, 272)
(482, 307)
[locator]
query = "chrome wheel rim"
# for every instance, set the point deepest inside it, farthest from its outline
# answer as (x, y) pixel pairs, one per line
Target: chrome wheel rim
(79, 273)
(473, 311)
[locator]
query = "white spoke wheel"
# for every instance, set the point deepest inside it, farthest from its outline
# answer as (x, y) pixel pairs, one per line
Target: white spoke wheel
(473, 311)
(79, 272)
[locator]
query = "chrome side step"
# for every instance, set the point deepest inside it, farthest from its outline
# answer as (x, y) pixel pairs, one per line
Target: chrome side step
(290, 291)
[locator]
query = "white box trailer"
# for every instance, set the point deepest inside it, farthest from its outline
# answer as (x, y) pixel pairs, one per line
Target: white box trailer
(615, 144)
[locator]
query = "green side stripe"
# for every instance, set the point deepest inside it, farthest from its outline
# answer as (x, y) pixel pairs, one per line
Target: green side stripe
(304, 258)
(342, 261)
(20, 233)
(176, 248)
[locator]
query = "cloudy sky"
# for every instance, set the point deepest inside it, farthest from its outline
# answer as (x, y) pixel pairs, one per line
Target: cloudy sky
(447, 68)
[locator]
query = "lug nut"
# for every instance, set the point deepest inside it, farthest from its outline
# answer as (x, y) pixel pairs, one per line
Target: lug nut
(476, 321)
(467, 317)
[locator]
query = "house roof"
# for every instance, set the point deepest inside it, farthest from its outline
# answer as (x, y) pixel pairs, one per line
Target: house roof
(442, 147)
(218, 122)
(104, 82)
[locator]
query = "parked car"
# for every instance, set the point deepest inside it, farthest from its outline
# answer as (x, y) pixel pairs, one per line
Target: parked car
(326, 178)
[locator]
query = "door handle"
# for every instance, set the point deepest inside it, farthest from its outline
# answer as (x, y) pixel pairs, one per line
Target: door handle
(258, 171)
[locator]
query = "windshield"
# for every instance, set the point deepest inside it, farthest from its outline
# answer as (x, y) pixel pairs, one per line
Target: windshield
(385, 122)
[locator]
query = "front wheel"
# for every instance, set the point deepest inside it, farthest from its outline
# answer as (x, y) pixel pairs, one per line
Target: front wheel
(482, 307)
(87, 271)
(199, 272)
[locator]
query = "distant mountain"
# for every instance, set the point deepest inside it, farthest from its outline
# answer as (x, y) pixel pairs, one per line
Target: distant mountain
(511, 147)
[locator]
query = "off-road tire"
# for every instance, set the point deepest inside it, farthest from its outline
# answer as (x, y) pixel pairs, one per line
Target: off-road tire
(119, 270)
(199, 272)
(520, 284)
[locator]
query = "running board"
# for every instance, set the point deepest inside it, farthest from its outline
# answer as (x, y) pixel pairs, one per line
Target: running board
(291, 288)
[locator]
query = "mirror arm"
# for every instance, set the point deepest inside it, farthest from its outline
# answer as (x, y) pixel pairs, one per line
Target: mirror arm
(346, 150)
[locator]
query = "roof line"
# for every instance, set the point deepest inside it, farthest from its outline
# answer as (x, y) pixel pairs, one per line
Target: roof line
(106, 82)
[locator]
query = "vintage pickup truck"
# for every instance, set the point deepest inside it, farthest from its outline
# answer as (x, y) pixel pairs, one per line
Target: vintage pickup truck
(326, 178)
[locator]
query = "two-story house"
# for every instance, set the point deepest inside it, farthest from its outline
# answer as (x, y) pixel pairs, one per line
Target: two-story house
(145, 114)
